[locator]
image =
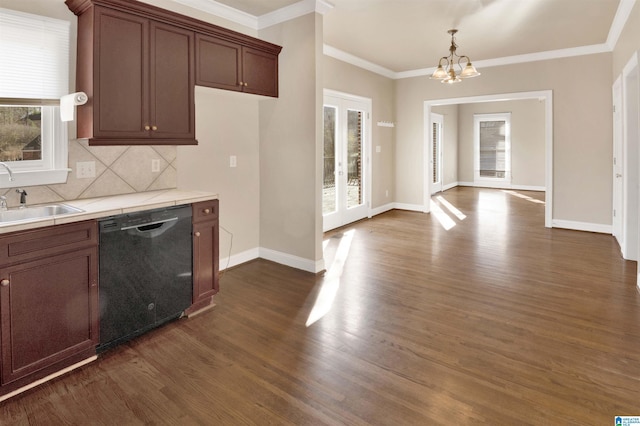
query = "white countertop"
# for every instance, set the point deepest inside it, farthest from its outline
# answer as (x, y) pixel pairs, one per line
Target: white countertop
(95, 208)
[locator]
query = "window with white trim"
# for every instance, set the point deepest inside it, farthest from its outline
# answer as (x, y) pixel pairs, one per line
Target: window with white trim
(492, 148)
(34, 74)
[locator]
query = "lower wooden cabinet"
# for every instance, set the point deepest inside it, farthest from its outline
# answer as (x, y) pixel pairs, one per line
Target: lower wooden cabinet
(205, 254)
(48, 301)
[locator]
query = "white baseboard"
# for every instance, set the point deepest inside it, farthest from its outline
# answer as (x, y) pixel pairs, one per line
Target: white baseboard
(237, 259)
(292, 261)
(500, 185)
(582, 226)
(410, 207)
(382, 209)
(449, 186)
(528, 188)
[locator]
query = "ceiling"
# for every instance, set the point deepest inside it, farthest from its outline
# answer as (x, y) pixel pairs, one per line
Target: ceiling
(402, 36)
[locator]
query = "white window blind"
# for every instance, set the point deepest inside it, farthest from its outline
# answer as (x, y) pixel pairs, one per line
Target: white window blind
(34, 56)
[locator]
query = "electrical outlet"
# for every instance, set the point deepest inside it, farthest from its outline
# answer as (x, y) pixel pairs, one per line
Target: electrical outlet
(233, 161)
(155, 165)
(378, 148)
(85, 169)
(386, 193)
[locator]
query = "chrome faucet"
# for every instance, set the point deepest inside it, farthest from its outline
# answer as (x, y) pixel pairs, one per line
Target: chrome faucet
(8, 170)
(3, 203)
(23, 198)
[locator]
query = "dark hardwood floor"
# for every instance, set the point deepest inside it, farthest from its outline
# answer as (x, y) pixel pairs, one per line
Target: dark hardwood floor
(497, 321)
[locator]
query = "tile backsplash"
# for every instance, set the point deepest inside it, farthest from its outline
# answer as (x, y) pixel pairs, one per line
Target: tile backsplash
(119, 170)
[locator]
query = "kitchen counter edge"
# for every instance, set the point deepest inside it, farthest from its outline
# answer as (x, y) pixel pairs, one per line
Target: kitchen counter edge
(101, 207)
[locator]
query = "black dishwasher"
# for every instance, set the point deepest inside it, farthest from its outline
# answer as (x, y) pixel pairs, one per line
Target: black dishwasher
(145, 271)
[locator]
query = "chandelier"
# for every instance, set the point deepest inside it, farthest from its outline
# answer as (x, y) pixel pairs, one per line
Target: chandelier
(447, 73)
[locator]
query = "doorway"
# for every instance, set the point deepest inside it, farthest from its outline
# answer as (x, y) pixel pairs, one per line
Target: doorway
(545, 96)
(437, 124)
(618, 164)
(345, 180)
(631, 158)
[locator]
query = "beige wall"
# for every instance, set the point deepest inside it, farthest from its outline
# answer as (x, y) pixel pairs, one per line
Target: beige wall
(290, 144)
(449, 143)
(350, 79)
(582, 128)
(226, 124)
(527, 140)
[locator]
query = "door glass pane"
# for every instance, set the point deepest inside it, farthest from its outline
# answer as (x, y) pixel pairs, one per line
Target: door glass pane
(493, 149)
(436, 150)
(329, 193)
(354, 156)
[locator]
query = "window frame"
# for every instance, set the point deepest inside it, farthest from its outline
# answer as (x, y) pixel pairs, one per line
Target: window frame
(52, 168)
(485, 180)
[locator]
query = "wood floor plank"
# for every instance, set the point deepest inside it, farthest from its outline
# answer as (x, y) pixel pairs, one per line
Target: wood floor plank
(496, 320)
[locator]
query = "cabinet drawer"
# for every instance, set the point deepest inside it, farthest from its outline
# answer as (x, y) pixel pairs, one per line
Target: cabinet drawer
(28, 245)
(204, 211)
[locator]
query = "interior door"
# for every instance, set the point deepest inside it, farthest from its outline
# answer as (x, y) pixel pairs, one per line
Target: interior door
(346, 160)
(618, 163)
(437, 121)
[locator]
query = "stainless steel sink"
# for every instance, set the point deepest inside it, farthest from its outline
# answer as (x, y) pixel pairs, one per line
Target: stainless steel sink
(36, 212)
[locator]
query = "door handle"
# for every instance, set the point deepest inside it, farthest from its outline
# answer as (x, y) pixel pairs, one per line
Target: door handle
(618, 175)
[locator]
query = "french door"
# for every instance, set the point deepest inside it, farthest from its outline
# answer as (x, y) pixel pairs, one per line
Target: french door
(345, 189)
(436, 152)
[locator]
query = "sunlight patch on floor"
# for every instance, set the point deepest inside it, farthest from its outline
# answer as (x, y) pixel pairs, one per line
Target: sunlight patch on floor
(331, 284)
(441, 216)
(524, 197)
(457, 213)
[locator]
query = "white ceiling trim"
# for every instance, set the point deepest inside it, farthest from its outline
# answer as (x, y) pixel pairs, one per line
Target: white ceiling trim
(358, 62)
(294, 11)
(622, 14)
(284, 14)
(517, 59)
(222, 11)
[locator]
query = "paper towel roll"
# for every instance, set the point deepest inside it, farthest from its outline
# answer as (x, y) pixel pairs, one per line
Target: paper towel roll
(68, 104)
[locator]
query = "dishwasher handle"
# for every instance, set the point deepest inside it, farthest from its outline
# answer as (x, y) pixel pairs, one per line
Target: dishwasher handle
(157, 222)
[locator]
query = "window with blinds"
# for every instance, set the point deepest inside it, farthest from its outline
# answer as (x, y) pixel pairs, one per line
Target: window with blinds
(492, 140)
(34, 74)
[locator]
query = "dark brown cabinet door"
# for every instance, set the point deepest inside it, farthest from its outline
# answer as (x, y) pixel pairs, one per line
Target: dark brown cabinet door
(48, 311)
(218, 63)
(260, 72)
(172, 106)
(205, 253)
(225, 65)
(143, 80)
(121, 86)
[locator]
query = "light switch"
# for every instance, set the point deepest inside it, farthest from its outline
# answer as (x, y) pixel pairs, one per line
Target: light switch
(378, 148)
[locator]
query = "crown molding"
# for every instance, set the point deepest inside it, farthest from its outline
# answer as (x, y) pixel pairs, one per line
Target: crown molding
(358, 62)
(284, 14)
(222, 11)
(619, 20)
(294, 11)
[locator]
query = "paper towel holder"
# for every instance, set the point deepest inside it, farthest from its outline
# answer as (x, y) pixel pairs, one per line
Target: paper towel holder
(68, 104)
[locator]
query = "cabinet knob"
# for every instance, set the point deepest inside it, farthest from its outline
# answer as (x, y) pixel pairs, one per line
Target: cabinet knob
(246, 84)
(4, 282)
(241, 83)
(197, 234)
(154, 127)
(147, 128)
(207, 211)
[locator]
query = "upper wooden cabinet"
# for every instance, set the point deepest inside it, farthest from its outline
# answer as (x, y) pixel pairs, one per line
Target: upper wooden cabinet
(137, 63)
(231, 66)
